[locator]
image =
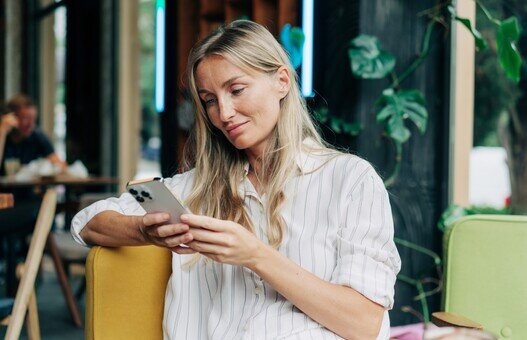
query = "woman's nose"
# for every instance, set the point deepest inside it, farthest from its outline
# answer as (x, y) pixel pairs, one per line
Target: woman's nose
(226, 110)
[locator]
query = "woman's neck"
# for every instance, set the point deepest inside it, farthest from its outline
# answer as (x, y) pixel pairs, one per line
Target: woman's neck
(254, 156)
(255, 166)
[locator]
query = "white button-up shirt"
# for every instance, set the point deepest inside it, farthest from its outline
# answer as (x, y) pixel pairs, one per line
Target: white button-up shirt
(339, 227)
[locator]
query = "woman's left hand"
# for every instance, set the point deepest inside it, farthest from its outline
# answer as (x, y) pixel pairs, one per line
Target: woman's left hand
(223, 241)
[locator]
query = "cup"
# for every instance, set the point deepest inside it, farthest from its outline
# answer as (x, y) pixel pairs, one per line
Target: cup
(11, 165)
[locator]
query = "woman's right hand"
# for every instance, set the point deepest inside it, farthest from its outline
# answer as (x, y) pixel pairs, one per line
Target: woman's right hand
(155, 230)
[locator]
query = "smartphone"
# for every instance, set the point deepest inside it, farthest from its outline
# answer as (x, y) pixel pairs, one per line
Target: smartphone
(154, 196)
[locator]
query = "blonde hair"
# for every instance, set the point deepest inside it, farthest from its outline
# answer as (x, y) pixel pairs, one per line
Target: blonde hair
(219, 166)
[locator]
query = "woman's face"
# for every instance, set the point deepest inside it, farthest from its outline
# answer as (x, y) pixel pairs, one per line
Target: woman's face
(243, 105)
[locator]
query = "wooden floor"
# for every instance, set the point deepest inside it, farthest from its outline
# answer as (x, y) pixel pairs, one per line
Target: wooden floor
(55, 321)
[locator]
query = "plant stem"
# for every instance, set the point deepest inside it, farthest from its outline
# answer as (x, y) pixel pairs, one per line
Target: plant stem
(397, 167)
(424, 302)
(423, 250)
(422, 55)
(487, 13)
(421, 294)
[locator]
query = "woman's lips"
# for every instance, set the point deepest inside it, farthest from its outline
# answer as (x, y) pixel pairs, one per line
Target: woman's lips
(234, 130)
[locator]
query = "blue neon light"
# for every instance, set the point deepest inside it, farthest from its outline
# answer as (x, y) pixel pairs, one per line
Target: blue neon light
(160, 57)
(307, 56)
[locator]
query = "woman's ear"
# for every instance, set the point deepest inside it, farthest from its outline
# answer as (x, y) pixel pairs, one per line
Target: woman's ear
(283, 81)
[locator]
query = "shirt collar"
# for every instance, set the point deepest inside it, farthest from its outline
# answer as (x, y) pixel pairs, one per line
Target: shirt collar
(310, 158)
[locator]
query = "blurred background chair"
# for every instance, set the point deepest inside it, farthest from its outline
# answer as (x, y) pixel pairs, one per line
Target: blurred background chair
(72, 254)
(485, 272)
(125, 292)
(25, 300)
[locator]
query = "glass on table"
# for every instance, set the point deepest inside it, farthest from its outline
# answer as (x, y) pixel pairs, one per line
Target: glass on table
(12, 165)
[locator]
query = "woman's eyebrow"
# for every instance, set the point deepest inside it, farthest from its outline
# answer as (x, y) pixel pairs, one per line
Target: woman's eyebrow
(230, 81)
(225, 84)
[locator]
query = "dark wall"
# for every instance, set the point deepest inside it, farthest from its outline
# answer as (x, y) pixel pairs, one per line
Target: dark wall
(168, 118)
(2, 55)
(419, 195)
(91, 87)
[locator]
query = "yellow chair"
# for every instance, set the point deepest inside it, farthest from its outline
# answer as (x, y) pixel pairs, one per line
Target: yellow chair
(486, 273)
(125, 292)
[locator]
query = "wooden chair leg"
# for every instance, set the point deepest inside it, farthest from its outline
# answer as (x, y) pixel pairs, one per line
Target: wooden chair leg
(63, 280)
(26, 287)
(32, 325)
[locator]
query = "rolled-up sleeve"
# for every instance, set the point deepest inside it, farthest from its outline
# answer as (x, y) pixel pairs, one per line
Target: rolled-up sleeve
(367, 259)
(125, 204)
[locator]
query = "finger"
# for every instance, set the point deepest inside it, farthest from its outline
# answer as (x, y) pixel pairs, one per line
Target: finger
(212, 237)
(206, 222)
(203, 247)
(155, 218)
(175, 241)
(168, 230)
(183, 250)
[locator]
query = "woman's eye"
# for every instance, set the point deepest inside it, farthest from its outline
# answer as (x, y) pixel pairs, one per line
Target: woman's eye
(210, 101)
(238, 91)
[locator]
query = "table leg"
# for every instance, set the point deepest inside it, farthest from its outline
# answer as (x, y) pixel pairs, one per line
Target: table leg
(63, 280)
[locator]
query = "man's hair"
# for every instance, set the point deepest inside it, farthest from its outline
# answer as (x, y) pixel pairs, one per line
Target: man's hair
(19, 101)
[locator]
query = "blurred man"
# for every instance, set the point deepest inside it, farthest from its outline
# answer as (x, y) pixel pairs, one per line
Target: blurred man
(23, 140)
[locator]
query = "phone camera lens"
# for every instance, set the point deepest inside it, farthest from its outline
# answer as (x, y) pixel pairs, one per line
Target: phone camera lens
(133, 192)
(146, 194)
(139, 199)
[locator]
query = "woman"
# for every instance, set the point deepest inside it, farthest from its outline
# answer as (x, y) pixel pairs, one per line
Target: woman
(290, 239)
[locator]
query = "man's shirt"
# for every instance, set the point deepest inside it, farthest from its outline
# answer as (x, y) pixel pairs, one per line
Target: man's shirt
(35, 146)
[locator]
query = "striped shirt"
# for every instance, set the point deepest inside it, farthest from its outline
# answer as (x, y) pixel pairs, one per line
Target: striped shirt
(338, 226)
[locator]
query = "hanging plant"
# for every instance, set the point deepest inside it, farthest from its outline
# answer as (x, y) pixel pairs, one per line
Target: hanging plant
(396, 105)
(292, 38)
(367, 59)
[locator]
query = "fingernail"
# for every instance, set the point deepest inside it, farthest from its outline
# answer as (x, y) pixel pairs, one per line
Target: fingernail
(184, 217)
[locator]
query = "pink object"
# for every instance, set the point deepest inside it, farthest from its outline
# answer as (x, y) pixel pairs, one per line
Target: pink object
(409, 332)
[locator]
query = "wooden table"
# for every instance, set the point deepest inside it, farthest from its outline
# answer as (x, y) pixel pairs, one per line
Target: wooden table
(11, 182)
(76, 184)
(39, 184)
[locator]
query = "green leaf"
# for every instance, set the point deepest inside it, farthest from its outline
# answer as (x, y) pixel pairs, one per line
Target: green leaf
(292, 38)
(334, 124)
(450, 215)
(455, 212)
(396, 129)
(414, 108)
(321, 114)
(481, 43)
(395, 107)
(508, 53)
(352, 128)
(367, 60)
(384, 113)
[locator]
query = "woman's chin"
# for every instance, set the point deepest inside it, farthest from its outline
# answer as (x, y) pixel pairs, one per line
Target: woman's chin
(241, 143)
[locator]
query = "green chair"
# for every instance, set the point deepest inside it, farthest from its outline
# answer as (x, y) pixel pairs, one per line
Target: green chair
(486, 273)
